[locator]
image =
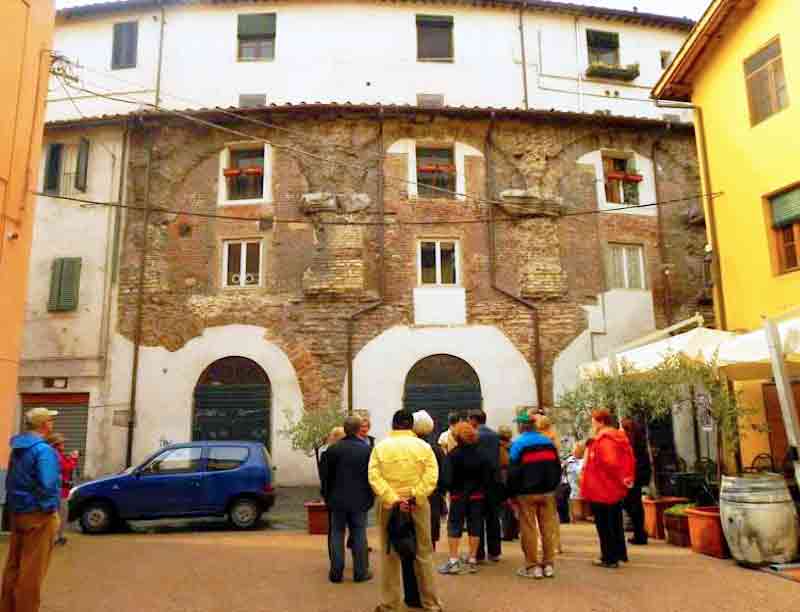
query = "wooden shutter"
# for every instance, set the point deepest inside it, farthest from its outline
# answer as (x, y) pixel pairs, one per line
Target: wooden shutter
(434, 37)
(82, 165)
(55, 284)
(126, 41)
(52, 169)
(65, 282)
(786, 208)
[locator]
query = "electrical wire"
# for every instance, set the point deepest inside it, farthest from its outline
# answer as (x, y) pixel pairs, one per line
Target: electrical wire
(190, 213)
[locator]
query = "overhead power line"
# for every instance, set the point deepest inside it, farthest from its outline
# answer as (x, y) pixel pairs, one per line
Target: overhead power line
(190, 213)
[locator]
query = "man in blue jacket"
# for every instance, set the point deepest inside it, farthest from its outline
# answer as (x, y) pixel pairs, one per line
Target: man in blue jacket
(33, 486)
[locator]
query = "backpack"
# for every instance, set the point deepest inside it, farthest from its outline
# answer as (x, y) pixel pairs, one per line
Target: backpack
(402, 536)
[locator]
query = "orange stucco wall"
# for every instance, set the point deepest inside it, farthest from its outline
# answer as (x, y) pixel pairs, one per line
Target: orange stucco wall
(24, 48)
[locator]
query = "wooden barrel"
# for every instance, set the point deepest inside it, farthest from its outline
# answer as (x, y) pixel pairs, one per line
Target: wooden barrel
(759, 519)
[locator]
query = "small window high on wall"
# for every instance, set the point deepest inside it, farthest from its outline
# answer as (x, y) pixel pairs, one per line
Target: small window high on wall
(434, 38)
(256, 37)
(125, 45)
(621, 179)
(603, 47)
(785, 212)
(766, 83)
(625, 266)
(438, 262)
(436, 173)
(241, 263)
(244, 175)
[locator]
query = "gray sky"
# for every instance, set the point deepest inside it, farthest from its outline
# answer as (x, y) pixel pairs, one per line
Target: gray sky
(680, 8)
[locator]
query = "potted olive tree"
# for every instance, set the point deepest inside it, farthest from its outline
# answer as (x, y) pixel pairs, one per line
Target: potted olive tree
(309, 434)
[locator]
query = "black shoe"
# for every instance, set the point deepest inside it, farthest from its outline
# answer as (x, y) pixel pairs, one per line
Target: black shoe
(601, 563)
(637, 542)
(334, 578)
(414, 604)
(366, 578)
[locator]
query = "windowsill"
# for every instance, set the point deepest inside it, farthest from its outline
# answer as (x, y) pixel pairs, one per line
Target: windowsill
(765, 119)
(645, 290)
(123, 67)
(257, 60)
(789, 272)
(239, 288)
(439, 287)
(437, 60)
(248, 202)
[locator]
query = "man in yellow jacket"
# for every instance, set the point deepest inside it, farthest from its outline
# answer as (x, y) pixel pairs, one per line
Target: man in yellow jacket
(403, 471)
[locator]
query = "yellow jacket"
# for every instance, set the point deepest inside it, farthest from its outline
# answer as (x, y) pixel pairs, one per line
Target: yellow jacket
(402, 466)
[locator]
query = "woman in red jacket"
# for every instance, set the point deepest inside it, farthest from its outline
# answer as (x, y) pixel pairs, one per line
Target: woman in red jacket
(68, 464)
(607, 475)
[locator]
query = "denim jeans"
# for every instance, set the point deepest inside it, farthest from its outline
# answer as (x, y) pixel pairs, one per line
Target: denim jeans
(356, 522)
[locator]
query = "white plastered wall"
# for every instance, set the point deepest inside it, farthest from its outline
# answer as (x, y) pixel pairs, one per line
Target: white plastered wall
(166, 391)
(381, 367)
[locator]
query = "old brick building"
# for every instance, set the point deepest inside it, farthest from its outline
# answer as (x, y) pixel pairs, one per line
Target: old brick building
(453, 255)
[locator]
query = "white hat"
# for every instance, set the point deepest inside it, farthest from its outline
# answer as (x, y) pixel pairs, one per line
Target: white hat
(36, 416)
(423, 422)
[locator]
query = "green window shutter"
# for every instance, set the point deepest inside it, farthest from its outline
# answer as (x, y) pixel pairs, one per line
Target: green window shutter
(602, 40)
(257, 25)
(55, 285)
(125, 45)
(82, 165)
(65, 283)
(70, 283)
(786, 208)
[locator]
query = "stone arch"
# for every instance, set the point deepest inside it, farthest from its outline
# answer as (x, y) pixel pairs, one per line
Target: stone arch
(383, 364)
(442, 384)
(232, 402)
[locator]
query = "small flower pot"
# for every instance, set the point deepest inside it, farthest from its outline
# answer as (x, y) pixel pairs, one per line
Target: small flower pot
(232, 172)
(317, 517)
(677, 530)
(705, 530)
(654, 514)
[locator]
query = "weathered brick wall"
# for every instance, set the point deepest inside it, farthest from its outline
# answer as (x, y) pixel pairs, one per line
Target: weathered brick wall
(323, 266)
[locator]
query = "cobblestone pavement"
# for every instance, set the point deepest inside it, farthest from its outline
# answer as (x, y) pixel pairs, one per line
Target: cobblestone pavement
(274, 570)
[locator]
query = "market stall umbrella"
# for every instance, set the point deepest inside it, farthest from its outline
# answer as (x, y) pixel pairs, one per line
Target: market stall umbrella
(747, 357)
(699, 344)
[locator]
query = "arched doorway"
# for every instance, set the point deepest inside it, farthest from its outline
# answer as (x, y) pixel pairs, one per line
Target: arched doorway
(232, 402)
(442, 384)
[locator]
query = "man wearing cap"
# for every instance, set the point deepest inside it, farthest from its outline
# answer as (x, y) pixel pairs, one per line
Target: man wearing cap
(33, 484)
(533, 475)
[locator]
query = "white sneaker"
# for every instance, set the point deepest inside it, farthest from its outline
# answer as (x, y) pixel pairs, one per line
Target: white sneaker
(538, 573)
(548, 571)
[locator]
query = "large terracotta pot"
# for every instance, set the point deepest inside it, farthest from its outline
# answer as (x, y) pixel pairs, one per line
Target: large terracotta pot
(317, 517)
(705, 530)
(654, 514)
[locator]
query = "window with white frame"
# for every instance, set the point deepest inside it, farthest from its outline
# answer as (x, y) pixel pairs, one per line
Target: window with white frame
(625, 266)
(621, 179)
(245, 174)
(438, 263)
(241, 263)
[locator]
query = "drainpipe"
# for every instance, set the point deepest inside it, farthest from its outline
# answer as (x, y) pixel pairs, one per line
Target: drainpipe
(137, 333)
(159, 66)
(536, 349)
(578, 64)
(712, 222)
(523, 55)
(662, 247)
(381, 268)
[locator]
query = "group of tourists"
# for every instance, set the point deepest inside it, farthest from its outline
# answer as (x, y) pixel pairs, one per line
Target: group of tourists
(37, 486)
(488, 484)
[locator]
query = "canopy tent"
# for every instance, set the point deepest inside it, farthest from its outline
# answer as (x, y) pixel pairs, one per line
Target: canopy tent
(747, 357)
(700, 343)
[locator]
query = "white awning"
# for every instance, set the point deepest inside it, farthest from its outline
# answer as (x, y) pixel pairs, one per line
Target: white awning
(747, 356)
(700, 343)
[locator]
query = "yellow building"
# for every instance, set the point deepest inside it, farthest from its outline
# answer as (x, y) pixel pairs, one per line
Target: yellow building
(24, 70)
(740, 67)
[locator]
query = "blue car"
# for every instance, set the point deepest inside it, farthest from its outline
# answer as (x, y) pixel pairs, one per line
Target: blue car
(189, 480)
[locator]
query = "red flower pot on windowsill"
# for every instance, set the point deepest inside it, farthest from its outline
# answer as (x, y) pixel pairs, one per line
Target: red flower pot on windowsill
(633, 178)
(254, 171)
(231, 172)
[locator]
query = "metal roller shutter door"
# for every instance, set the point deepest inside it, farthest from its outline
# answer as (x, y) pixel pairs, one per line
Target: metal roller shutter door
(72, 420)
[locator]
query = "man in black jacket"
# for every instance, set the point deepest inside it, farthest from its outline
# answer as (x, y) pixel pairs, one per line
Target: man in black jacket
(347, 492)
(489, 447)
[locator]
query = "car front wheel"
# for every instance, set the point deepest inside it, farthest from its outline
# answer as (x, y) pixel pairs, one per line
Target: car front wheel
(97, 517)
(244, 514)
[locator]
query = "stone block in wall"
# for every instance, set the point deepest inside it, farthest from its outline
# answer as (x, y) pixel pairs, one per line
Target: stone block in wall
(543, 278)
(337, 268)
(529, 203)
(355, 202)
(318, 202)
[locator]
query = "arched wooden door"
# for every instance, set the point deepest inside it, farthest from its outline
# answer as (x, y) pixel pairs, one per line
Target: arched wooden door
(442, 384)
(232, 402)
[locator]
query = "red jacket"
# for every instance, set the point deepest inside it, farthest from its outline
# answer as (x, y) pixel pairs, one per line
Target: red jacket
(68, 465)
(609, 468)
